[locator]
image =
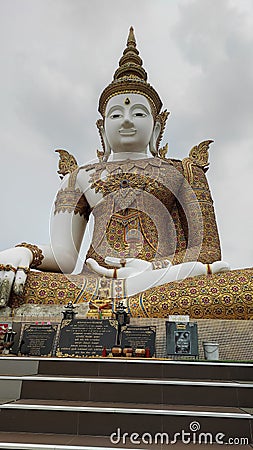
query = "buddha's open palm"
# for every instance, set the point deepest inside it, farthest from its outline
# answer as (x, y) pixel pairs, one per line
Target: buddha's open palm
(133, 267)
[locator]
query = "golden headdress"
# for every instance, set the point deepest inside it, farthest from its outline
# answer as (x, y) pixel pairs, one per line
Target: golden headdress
(130, 77)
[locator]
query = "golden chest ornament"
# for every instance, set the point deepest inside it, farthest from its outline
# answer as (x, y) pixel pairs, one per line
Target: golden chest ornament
(130, 220)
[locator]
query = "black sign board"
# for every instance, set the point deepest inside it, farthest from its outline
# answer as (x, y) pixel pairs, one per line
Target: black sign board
(139, 337)
(17, 327)
(37, 340)
(181, 339)
(86, 337)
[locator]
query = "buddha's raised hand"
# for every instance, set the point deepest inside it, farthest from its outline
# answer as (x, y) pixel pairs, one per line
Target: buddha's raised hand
(14, 266)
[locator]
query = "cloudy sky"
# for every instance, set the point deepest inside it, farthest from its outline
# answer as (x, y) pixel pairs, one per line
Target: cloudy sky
(58, 55)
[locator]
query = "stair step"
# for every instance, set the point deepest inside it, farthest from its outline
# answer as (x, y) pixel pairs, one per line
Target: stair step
(130, 395)
(159, 391)
(139, 391)
(31, 441)
(28, 441)
(130, 408)
(87, 418)
(128, 368)
(11, 365)
(146, 368)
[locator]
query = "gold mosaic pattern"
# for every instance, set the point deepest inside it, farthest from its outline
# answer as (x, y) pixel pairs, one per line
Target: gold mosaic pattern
(132, 191)
(58, 289)
(47, 288)
(131, 234)
(153, 196)
(226, 295)
(209, 249)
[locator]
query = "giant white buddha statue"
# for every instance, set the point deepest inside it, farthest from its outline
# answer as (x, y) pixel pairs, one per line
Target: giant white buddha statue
(154, 222)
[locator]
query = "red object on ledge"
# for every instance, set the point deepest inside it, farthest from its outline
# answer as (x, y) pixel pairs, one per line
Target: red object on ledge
(147, 352)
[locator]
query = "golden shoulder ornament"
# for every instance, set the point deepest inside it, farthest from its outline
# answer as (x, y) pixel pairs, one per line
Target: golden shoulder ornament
(198, 156)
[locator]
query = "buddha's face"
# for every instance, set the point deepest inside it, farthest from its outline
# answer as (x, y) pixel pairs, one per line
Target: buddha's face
(128, 123)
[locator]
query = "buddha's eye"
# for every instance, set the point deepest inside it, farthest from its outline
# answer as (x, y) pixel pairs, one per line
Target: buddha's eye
(139, 114)
(115, 116)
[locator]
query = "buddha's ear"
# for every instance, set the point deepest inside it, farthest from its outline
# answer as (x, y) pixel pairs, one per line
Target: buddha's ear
(158, 130)
(153, 144)
(105, 144)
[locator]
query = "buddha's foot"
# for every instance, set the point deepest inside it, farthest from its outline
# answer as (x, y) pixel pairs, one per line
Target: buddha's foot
(219, 266)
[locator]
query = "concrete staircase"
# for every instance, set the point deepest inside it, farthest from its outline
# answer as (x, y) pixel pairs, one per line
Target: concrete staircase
(99, 403)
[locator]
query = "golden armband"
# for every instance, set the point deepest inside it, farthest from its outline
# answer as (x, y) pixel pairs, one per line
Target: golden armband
(36, 251)
(71, 200)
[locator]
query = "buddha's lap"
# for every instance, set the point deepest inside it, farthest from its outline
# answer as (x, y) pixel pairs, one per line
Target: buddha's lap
(226, 295)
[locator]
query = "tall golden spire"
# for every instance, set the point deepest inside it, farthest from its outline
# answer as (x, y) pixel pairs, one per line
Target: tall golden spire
(130, 64)
(131, 38)
(130, 76)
